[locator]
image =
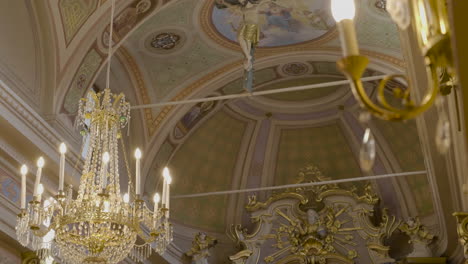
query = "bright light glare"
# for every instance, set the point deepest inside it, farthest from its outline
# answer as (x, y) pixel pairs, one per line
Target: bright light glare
(106, 206)
(40, 189)
(24, 170)
(63, 148)
(343, 9)
(156, 198)
(49, 236)
(49, 259)
(105, 157)
(40, 162)
(126, 198)
(138, 153)
(166, 173)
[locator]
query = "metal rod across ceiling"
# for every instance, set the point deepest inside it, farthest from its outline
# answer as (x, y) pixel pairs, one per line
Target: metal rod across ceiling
(241, 95)
(365, 178)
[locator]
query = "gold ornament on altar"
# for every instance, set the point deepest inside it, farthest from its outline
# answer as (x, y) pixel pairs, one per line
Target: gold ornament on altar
(100, 225)
(325, 223)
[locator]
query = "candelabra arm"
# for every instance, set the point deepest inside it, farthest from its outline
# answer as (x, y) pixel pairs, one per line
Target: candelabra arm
(353, 68)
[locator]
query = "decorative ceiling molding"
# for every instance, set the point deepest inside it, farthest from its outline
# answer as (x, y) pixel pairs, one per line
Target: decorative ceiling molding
(74, 13)
(28, 122)
(127, 20)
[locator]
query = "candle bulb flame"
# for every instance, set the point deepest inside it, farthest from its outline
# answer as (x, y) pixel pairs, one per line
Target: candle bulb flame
(105, 157)
(166, 173)
(24, 170)
(126, 198)
(40, 162)
(138, 153)
(40, 189)
(343, 9)
(63, 148)
(156, 198)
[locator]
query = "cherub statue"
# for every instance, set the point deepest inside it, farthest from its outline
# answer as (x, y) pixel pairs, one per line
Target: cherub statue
(200, 248)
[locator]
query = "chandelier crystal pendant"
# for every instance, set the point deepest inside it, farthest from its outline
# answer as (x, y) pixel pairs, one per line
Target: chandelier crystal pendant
(100, 225)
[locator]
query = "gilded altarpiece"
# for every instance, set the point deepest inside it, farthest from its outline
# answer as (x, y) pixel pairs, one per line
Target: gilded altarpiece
(321, 224)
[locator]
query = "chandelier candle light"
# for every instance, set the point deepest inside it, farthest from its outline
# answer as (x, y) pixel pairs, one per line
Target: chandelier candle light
(434, 43)
(100, 225)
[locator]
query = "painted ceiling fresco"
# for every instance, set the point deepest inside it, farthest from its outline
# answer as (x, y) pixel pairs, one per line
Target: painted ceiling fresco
(204, 147)
(74, 14)
(282, 22)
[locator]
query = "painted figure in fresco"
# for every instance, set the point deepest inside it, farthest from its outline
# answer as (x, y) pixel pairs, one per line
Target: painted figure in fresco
(280, 17)
(278, 20)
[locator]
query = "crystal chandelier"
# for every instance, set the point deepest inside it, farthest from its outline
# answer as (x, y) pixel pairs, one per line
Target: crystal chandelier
(99, 225)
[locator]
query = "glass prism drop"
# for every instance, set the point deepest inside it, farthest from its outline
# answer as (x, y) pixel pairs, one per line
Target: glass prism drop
(367, 152)
(443, 138)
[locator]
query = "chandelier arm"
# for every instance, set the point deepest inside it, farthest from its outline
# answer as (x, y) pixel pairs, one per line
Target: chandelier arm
(403, 94)
(353, 68)
(42, 232)
(411, 110)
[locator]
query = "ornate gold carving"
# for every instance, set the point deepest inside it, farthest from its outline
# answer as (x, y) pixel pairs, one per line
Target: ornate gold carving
(200, 248)
(462, 229)
(318, 223)
(420, 237)
(241, 256)
(29, 257)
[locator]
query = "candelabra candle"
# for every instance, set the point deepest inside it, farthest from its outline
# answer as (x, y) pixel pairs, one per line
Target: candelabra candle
(155, 212)
(164, 194)
(40, 191)
(63, 150)
(137, 173)
(24, 171)
(168, 189)
(343, 11)
(40, 164)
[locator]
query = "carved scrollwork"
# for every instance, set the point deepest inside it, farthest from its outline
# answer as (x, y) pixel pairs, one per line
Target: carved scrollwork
(321, 224)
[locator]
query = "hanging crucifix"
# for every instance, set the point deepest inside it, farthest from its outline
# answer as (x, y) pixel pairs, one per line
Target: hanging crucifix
(248, 33)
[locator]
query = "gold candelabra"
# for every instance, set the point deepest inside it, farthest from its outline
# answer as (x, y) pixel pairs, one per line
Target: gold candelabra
(99, 225)
(430, 23)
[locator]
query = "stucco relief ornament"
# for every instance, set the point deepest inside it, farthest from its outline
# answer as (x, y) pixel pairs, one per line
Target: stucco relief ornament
(419, 237)
(143, 6)
(200, 248)
(400, 12)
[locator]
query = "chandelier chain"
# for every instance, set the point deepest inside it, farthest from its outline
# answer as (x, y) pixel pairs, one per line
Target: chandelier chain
(109, 46)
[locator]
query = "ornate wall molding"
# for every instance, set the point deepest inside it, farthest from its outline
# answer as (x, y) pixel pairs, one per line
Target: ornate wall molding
(26, 121)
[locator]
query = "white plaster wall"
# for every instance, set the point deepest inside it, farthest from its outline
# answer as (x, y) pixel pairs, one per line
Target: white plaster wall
(9, 255)
(17, 44)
